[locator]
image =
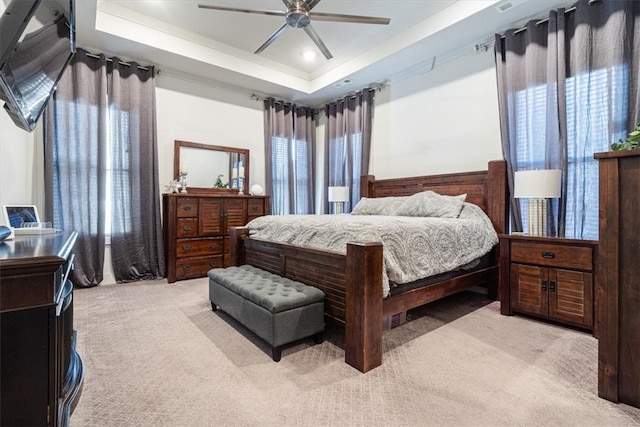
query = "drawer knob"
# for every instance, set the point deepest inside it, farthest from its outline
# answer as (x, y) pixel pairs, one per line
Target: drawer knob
(186, 267)
(213, 245)
(187, 228)
(548, 255)
(255, 208)
(186, 248)
(187, 208)
(213, 264)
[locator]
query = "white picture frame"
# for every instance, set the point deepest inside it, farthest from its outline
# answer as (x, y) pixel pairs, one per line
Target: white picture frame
(16, 215)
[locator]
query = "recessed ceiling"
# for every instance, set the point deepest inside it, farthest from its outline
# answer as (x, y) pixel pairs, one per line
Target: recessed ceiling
(218, 46)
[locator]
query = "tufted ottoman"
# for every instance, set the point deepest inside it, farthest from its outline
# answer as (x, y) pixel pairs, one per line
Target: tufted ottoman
(277, 309)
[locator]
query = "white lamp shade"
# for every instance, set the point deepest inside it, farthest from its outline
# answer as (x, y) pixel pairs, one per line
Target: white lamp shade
(537, 184)
(338, 194)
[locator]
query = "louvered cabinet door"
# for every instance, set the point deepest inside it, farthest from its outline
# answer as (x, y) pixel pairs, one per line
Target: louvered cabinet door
(571, 296)
(529, 289)
(235, 213)
(211, 219)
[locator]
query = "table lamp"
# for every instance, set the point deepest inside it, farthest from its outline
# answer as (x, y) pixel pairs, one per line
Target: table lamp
(337, 196)
(537, 186)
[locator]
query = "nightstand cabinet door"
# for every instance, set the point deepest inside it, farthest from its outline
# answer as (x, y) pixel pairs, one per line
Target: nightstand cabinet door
(571, 297)
(529, 289)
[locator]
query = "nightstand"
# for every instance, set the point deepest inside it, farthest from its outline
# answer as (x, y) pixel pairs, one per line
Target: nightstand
(548, 277)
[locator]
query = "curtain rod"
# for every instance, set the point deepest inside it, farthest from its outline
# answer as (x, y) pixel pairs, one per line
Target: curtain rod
(126, 64)
(542, 21)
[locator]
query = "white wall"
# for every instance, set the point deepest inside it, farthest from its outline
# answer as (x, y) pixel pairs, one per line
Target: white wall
(190, 111)
(17, 158)
(442, 121)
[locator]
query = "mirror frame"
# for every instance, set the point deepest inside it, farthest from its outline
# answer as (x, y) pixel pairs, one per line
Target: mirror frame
(205, 190)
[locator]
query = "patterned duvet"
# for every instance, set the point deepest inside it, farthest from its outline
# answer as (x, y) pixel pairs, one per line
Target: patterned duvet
(414, 247)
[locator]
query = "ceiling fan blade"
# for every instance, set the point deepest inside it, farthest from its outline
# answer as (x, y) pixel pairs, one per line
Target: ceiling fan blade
(335, 17)
(273, 37)
(236, 9)
(311, 32)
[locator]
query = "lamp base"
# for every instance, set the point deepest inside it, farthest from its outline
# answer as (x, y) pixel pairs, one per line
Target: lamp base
(338, 207)
(537, 217)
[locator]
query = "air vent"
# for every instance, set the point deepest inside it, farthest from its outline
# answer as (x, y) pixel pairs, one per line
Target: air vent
(342, 83)
(508, 5)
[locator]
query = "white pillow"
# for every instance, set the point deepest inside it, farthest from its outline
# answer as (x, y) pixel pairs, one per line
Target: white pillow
(378, 205)
(431, 204)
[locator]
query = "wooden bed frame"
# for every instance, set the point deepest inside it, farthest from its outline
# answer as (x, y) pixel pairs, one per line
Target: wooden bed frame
(353, 282)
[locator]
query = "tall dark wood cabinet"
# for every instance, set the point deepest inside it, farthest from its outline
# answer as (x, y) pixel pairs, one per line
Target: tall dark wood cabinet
(196, 229)
(618, 277)
(41, 374)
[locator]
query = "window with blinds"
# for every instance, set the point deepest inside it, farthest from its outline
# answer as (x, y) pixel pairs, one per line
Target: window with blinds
(291, 172)
(596, 115)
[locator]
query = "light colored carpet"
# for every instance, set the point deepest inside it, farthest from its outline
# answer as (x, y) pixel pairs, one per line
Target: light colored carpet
(156, 355)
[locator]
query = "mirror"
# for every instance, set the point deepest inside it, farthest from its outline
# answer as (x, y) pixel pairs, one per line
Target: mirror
(204, 163)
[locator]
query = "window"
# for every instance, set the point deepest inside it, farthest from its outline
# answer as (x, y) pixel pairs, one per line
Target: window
(596, 116)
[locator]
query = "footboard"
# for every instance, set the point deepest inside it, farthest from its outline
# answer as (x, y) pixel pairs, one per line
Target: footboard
(357, 307)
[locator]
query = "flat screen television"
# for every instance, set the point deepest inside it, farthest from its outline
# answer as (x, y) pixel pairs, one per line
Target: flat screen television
(37, 42)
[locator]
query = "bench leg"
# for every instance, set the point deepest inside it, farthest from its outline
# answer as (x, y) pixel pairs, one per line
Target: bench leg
(214, 307)
(318, 338)
(276, 353)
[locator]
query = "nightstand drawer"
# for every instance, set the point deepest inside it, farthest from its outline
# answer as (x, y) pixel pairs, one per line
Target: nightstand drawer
(576, 257)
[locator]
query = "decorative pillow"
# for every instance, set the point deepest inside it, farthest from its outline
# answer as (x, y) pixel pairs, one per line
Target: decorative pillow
(430, 204)
(378, 205)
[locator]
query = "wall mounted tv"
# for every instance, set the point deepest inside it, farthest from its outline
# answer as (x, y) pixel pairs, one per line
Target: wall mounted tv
(37, 41)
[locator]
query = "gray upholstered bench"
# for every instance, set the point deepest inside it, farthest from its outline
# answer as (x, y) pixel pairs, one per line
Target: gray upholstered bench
(276, 309)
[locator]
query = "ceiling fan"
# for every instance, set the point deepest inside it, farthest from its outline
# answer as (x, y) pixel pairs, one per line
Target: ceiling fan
(299, 15)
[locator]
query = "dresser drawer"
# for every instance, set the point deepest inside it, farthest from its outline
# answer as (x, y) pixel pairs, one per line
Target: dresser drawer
(187, 227)
(255, 207)
(186, 207)
(199, 247)
(564, 256)
(197, 267)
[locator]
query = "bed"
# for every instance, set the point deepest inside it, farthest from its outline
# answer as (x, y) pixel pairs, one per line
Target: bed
(353, 281)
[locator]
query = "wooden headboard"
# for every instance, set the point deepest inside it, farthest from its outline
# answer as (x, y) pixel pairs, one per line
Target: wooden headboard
(487, 189)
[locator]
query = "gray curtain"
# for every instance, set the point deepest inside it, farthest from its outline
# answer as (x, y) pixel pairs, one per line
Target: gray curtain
(75, 145)
(136, 228)
(290, 144)
(78, 168)
(348, 143)
(567, 88)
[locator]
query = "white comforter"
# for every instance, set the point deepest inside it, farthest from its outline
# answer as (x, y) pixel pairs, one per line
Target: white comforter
(414, 247)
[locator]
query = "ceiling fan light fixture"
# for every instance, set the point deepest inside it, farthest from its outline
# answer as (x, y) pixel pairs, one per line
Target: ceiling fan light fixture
(298, 18)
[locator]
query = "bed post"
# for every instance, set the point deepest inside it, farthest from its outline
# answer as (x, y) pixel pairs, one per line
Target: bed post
(366, 183)
(497, 200)
(236, 246)
(363, 323)
(497, 195)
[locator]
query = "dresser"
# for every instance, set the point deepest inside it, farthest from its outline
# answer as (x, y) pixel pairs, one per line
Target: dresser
(618, 277)
(41, 373)
(196, 230)
(548, 277)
